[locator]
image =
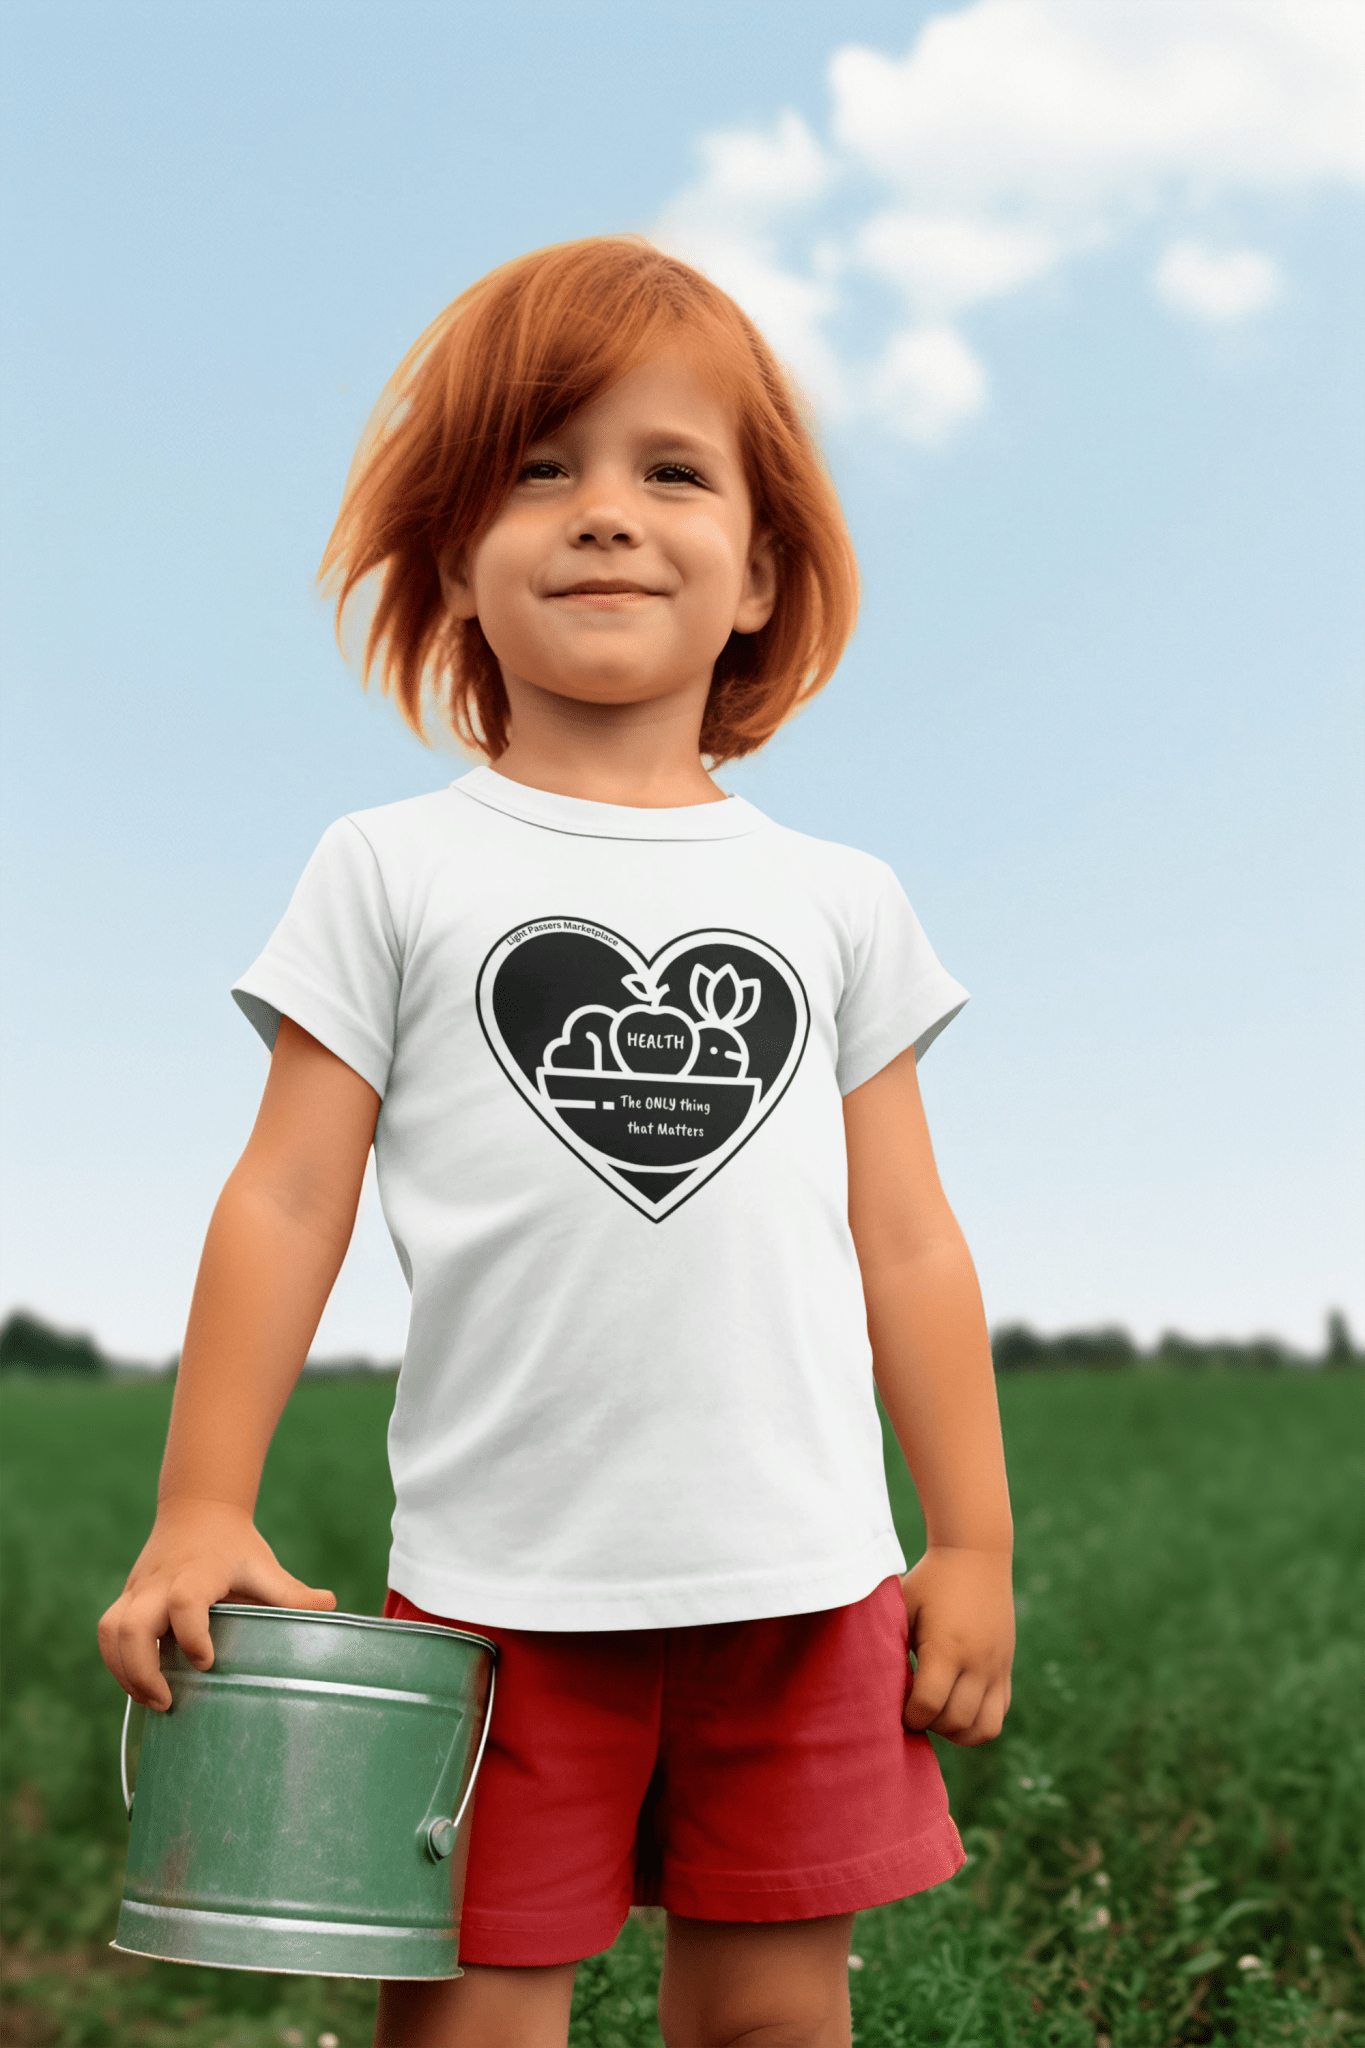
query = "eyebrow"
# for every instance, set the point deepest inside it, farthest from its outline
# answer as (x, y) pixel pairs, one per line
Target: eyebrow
(679, 439)
(685, 442)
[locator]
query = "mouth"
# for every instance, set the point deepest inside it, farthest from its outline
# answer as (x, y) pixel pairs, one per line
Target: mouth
(613, 587)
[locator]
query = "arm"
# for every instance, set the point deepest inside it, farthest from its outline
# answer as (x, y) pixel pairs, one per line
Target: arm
(932, 1361)
(274, 1247)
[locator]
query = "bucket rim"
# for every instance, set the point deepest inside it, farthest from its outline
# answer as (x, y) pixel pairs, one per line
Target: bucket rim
(391, 1623)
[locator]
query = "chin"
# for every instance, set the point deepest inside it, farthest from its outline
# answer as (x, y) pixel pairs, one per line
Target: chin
(605, 683)
(621, 693)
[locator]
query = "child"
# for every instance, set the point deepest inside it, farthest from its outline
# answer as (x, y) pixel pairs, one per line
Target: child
(639, 1070)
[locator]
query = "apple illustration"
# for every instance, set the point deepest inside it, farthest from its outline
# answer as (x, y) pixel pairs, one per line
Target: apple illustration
(651, 1037)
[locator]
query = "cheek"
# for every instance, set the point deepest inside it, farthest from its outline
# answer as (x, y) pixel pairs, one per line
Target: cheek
(497, 571)
(715, 557)
(502, 601)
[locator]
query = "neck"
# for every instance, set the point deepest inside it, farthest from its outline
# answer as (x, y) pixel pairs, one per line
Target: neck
(645, 756)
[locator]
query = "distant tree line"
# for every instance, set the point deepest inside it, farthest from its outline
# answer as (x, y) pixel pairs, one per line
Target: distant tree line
(1017, 1348)
(29, 1345)
(32, 1346)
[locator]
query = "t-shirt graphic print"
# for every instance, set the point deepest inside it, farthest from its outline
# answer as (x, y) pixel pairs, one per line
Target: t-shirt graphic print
(653, 1071)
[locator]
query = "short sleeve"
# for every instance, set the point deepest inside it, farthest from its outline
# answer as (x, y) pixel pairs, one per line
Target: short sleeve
(898, 994)
(333, 963)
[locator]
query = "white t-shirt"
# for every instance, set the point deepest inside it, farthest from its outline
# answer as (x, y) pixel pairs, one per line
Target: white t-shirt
(612, 1046)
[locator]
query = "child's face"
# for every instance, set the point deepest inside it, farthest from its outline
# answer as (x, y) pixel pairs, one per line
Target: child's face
(624, 556)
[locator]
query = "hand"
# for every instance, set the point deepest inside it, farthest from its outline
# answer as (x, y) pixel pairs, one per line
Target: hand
(960, 1604)
(199, 1551)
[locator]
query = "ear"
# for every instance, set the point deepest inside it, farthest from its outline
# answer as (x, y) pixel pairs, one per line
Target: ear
(759, 594)
(456, 587)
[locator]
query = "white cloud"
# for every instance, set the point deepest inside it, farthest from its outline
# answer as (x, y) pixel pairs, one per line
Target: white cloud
(1073, 108)
(927, 383)
(942, 265)
(1215, 284)
(1012, 138)
(758, 173)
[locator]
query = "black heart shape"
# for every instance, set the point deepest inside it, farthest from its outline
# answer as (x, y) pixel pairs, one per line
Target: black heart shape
(653, 1071)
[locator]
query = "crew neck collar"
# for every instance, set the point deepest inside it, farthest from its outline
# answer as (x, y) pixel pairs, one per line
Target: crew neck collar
(731, 819)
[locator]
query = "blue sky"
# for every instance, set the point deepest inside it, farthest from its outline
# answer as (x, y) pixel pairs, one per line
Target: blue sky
(1082, 317)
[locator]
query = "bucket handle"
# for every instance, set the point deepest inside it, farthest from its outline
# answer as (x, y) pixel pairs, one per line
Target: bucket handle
(128, 1788)
(439, 1834)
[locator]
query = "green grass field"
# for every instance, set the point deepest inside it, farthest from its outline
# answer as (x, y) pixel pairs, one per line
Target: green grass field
(1179, 1786)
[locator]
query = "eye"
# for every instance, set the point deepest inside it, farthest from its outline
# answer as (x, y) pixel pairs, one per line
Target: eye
(674, 473)
(541, 469)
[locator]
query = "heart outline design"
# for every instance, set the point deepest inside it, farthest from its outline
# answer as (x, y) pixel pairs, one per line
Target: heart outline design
(749, 1011)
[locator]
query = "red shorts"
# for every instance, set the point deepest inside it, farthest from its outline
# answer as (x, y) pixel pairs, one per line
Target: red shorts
(746, 1770)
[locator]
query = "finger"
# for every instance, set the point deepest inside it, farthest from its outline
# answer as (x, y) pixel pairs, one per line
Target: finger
(107, 1634)
(959, 1711)
(140, 1628)
(315, 1597)
(262, 1579)
(930, 1684)
(128, 1644)
(188, 1608)
(990, 1718)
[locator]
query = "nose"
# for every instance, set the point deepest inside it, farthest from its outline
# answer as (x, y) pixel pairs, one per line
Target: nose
(603, 519)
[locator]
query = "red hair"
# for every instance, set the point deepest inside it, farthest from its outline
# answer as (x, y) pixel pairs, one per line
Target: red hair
(509, 362)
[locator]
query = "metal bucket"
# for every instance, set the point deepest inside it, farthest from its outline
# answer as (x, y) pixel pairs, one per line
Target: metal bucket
(304, 1804)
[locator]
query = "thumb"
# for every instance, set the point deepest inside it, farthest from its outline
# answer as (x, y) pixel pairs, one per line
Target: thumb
(267, 1582)
(912, 1593)
(315, 1597)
